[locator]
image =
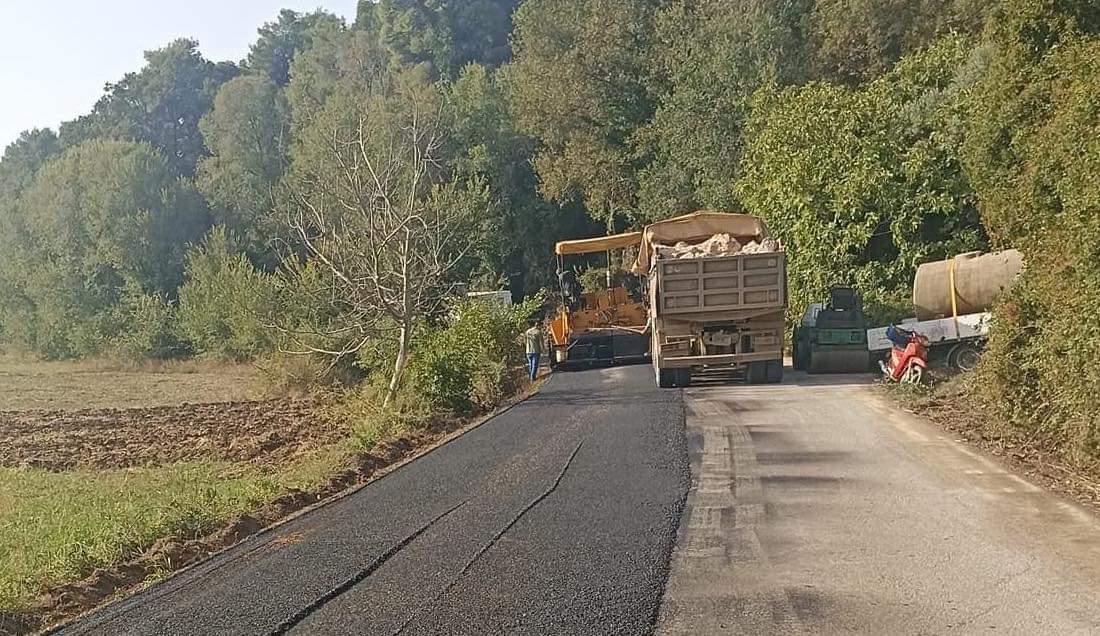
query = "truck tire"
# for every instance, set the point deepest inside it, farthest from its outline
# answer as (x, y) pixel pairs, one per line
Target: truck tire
(756, 372)
(774, 372)
(666, 378)
(683, 377)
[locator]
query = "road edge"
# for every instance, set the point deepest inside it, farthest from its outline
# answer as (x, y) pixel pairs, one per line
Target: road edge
(126, 594)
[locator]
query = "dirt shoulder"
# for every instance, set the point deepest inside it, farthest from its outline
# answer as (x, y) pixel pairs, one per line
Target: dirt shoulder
(953, 406)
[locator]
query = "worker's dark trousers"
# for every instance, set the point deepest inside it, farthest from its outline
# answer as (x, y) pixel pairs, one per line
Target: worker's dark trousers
(533, 365)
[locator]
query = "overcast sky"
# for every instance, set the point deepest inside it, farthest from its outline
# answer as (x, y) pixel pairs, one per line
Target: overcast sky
(56, 55)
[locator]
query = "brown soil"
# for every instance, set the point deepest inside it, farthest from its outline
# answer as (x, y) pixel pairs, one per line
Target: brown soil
(263, 433)
(173, 554)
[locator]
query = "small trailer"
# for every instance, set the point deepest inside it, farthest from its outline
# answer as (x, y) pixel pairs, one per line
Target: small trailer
(952, 300)
(954, 342)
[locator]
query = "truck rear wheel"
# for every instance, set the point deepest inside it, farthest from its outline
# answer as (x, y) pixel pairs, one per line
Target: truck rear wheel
(774, 372)
(683, 377)
(666, 378)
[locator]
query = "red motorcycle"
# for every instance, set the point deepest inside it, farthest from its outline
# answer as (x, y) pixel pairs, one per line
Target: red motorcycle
(908, 357)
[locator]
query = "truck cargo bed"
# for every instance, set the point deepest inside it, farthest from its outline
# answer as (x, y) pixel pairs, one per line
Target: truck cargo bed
(720, 287)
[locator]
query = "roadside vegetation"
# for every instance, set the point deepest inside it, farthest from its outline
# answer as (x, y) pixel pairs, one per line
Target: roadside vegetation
(299, 228)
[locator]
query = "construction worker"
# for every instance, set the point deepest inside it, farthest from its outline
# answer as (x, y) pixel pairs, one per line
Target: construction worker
(533, 339)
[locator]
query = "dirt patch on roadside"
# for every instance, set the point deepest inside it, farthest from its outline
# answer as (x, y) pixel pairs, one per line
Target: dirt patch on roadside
(171, 554)
(266, 432)
(954, 409)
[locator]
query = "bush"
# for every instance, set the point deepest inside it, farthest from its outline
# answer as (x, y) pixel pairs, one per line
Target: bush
(150, 328)
(470, 363)
(1033, 153)
(226, 306)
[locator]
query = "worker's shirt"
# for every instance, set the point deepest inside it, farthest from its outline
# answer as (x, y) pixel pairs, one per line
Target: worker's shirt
(534, 341)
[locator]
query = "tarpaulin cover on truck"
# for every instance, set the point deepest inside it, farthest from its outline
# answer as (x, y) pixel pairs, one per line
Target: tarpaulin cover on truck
(598, 244)
(696, 227)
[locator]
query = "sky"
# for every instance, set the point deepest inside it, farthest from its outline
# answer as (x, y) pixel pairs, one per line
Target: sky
(56, 55)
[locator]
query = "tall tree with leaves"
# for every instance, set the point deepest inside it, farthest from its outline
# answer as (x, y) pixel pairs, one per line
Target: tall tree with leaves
(710, 56)
(290, 34)
(160, 104)
(444, 34)
(1033, 153)
(105, 221)
(247, 133)
(523, 227)
(578, 86)
(863, 185)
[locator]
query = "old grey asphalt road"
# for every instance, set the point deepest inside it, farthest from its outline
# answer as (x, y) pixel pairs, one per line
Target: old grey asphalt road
(557, 517)
(816, 507)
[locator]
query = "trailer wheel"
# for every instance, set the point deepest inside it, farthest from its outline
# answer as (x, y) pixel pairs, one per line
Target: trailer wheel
(964, 357)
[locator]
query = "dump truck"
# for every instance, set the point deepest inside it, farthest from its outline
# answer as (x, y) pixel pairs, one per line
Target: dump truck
(717, 293)
(832, 336)
(952, 299)
(598, 326)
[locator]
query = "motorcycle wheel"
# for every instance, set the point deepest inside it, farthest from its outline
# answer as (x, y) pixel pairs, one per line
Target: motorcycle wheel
(913, 375)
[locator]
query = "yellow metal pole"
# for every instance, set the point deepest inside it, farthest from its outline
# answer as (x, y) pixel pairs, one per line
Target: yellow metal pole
(954, 300)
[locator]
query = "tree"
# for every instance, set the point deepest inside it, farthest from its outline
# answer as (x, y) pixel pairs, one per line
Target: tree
(161, 104)
(578, 86)
(444, 34)
(863, 185)
(373, 203)
(856, 40)
(523, 227)
(21, 161)
(246, 133)
(22, 158)
(1033, 154)
(104, 221)
(336, 55)
(226, 306)
(290, 34)
(710, 56)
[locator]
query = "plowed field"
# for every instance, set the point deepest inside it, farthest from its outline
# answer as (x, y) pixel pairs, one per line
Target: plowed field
(258, 432)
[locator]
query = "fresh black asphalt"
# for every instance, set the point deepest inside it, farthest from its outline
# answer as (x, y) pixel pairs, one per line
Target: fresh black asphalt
(556, 517)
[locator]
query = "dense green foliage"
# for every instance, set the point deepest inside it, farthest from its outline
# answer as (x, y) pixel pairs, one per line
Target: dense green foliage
(864, 184)
(470, 361)
(1034, 156)
(226, 305)
(871, 135)
(104, 222)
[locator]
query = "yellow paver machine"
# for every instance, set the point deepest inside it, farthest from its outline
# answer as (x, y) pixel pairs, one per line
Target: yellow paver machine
(599, 326)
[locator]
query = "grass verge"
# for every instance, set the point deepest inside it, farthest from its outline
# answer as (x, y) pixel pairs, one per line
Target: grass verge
(57, 527)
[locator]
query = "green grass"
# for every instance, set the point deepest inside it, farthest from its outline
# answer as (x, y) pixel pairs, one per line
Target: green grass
(57, 527)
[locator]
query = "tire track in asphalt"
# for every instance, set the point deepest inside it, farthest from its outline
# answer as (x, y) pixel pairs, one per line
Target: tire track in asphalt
(534, 502)
(359, 577)
(718, 539)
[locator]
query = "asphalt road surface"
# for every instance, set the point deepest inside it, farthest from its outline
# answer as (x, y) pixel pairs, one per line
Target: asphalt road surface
(557, 517)
(817, 507)
(811, 507)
